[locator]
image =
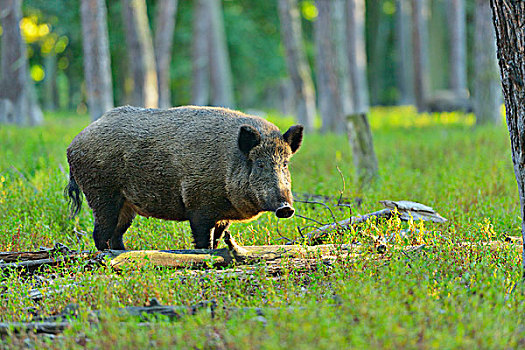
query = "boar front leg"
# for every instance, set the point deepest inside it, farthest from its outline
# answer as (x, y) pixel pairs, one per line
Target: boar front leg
(201, 229)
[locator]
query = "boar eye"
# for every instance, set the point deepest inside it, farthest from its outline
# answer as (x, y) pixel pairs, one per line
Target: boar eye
(259, 164)
(285, 164)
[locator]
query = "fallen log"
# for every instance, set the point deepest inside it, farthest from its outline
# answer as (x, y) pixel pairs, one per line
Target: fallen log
(226, 256)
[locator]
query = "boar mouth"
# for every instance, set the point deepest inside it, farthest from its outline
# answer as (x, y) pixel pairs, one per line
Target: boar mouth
(284, 211)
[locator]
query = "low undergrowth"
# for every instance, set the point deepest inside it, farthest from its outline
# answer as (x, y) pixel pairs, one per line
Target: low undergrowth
(445, 296)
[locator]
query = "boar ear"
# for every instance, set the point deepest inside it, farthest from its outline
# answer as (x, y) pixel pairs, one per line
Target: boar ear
(294, 137)
(249, 137)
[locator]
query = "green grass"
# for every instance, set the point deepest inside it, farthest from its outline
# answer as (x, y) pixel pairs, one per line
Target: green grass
(444, 298)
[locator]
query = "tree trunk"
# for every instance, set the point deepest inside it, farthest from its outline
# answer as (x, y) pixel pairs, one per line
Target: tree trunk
(359, 132)
(219, 60)
(18, 103)
(165, 26)
(378, 29)
(200, 54)
(345, 95)
(403, 49)
(97, 66)
(298, 68)
(327, 86)
(355, 36)
(419, 44)
(140, 53)
(487, 87)
(458, 46)
(50, 85)
(509, 21)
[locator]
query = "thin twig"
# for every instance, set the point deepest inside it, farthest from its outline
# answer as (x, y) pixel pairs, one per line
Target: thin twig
(307, 218)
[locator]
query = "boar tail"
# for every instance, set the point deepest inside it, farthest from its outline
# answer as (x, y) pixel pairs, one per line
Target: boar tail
(73, 196)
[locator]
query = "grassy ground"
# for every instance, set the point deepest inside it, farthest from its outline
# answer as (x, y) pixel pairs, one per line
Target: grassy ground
(445, 297)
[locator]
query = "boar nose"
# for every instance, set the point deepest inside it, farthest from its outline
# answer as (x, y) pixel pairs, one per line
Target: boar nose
(284, 211)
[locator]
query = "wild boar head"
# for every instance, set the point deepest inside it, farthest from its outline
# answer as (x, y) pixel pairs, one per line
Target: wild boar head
(268, 157)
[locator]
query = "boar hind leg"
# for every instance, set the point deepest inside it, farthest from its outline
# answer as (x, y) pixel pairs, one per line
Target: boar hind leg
(201, 229)
(218, 231)
(112, 219)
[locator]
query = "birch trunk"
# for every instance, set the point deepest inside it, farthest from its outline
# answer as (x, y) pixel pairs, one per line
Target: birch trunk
(358, 127)
(327, 86)
(419, 44)
(298, 68)
(165, 26)
(18, 103)
(140, 53)
(403, 49)
(487, 86)
(200, 54)
(219, 59)
(355, 41)
(97, 66)
(458, 46)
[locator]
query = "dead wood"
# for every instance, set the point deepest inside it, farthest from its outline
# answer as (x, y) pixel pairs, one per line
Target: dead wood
(226, 256)
(51, 327)
(405, 210)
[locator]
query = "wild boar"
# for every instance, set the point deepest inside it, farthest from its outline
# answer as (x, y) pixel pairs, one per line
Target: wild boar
(211, 166)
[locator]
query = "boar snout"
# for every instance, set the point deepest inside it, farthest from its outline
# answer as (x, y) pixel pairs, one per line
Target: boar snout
(284, 211)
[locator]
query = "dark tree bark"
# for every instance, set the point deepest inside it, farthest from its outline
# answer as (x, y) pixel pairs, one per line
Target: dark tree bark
(419, 44)
(458, 47)
(200, 54)
(18, 103)
(219, 59)
(359, 132)
(140, 53)
(509, 21)
(487, 87)
(327, 85)
(297, 64)
(165, 26)
(403, 49)
(97, 66)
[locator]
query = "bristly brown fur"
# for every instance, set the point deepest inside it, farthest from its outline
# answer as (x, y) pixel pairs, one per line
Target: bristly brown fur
(211, 166)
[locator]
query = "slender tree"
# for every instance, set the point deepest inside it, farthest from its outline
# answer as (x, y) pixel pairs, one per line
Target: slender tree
(327, 85)
(377, 28)
(487, 87)
(509, 17)
(419, 45)
(165, 26)
(458, 47)
(200, 54)
(358, 127)
(298, 68)
(140, 53)
(18, 103)
(50, 81)
(355, 37)
(403, 50)
(219, 59)
(97, 66)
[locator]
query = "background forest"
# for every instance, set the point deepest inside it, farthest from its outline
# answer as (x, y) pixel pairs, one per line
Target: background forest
(257, 55)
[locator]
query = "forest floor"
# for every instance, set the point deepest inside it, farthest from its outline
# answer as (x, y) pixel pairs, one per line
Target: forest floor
(447, 295)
